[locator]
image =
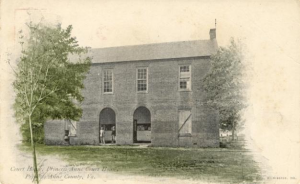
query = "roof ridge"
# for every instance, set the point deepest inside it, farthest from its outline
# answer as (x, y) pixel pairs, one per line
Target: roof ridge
(154, 51)
(147, 44)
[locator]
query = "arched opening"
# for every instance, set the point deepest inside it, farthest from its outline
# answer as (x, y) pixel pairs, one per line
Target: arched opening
(107, 121)
(142, 125)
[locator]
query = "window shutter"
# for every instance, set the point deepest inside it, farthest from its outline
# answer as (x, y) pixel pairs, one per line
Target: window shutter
(185, 122)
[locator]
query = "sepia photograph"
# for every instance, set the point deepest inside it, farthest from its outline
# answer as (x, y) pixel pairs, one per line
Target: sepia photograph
(150, 92)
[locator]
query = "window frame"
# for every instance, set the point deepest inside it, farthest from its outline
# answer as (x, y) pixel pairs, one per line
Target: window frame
(147, 86)
(190, 77)
(112, 80)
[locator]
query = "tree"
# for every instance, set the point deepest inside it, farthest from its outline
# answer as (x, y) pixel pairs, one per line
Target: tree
(46, 82)
(224, 85)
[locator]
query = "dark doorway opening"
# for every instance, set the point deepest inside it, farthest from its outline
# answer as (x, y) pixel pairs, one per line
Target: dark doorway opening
(142, 125)
(107, 120)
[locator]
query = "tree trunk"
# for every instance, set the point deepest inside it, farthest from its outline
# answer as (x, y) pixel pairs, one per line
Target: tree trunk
(233, 129)
(36, 174)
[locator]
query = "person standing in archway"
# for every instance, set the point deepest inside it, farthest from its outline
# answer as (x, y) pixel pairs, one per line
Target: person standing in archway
(102, 135)
(113, 134)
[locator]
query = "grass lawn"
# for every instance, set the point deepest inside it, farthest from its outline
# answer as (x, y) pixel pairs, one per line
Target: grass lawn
(216, 164)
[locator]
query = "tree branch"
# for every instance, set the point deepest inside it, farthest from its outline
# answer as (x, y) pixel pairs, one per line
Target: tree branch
(41, 98)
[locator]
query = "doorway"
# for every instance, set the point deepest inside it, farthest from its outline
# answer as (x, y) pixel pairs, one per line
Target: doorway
(107, 120)
(142, 125)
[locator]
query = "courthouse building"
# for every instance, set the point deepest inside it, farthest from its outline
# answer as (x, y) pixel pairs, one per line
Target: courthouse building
(151, 93)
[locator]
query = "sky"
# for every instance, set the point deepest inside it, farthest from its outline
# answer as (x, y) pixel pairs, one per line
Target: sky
(268, 29)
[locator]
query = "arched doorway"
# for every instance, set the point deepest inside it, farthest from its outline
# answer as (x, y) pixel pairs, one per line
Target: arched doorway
(142, 125)
(107, 120)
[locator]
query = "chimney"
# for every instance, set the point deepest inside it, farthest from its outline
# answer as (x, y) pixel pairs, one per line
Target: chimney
(212, 34)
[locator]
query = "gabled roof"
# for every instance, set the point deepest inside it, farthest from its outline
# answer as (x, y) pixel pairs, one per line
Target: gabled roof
(169, 50)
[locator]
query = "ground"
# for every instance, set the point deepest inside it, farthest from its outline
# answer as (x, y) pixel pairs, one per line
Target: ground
(210, 164)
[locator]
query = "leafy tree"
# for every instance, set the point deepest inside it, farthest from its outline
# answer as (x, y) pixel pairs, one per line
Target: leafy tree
(225, 86)
(47, 83)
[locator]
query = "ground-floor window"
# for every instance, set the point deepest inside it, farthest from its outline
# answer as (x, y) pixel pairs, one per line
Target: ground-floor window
(71, 126)
(144, 127)
(108, 127)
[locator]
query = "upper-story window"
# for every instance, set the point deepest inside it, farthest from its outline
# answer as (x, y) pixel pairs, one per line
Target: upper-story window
(108, 81)
(142, 79)
(185, 78)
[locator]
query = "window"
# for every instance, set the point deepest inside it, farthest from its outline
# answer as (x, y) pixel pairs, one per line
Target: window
(108, 127)
(144, 127)
(185, 78)
(108, 81)
(142, 79)
(185, 123)
(71, 126)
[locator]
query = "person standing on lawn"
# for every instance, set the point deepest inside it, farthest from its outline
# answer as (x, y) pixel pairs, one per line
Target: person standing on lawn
(113, 134)
(102, 135)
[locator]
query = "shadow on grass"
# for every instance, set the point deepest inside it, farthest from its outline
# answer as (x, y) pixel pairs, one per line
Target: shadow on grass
(213, 164)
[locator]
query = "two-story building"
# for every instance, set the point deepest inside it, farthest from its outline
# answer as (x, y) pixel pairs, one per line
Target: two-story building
(150, 93)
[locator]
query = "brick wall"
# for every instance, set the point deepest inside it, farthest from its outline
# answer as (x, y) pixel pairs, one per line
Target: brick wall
(55, 132)
(163, 100)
